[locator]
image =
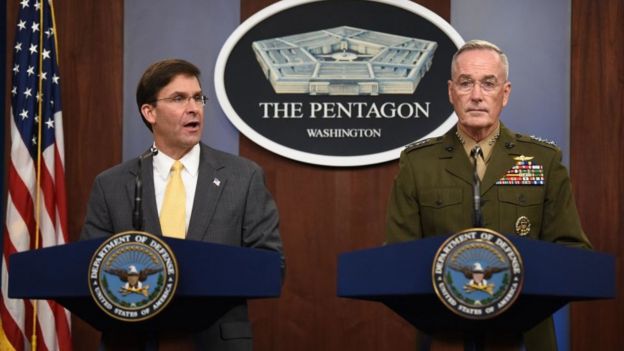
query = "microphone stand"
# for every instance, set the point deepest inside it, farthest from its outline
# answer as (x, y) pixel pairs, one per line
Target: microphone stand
(476, 341)
(137, 213)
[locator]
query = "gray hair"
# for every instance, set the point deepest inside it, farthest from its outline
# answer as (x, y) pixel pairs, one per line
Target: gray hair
(481, 45)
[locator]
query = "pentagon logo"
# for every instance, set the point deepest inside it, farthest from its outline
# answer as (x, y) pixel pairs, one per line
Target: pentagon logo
(477, 273)
(133, 276)
(345, 61)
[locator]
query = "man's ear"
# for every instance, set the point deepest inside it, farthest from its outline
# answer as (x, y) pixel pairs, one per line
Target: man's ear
(147, 111)
(449, 88)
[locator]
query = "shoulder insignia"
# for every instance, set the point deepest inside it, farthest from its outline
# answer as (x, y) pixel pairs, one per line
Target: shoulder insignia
(537, 140)
(422, 143)
(544, 141)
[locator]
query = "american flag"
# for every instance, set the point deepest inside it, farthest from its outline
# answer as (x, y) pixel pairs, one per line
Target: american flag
(36, 214)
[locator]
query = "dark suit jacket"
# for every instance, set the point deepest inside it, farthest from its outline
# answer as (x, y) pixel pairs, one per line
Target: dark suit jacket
(232, 206)
(432, 195)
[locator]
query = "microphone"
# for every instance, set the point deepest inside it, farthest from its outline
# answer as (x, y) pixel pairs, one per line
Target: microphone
(137, 213)
(476, 187)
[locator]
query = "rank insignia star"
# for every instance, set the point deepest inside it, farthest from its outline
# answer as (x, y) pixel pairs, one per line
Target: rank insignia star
(524, 172)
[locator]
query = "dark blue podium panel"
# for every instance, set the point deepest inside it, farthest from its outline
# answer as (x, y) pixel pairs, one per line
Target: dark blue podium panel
(212, 279)
(400, 276)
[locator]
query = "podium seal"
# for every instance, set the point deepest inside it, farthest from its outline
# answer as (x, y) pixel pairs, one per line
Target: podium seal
(477, 273)
(133, 276)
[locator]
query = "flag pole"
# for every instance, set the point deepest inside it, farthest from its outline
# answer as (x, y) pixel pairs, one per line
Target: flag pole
(39, 98)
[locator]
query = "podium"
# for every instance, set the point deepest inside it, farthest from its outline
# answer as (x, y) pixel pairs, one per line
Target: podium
(400, 276)
(212, 279)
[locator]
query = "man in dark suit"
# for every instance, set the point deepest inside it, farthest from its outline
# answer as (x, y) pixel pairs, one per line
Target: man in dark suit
(224, 200)
(524, 187)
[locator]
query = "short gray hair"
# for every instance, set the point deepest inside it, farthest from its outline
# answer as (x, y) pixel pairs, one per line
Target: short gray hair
(481, 45)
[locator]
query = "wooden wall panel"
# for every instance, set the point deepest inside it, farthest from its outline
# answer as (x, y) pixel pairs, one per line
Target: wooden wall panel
(90, 39)
(324, 212)
(597, 164)
(91, 65)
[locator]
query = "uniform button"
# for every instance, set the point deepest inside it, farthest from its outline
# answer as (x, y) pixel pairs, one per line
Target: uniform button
(450, 148)
(509, 145)
(438, 202)
(522, 198)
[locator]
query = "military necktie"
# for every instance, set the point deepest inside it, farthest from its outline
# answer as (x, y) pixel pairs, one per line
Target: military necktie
(477, 154)
(173, 211)
(480, 162)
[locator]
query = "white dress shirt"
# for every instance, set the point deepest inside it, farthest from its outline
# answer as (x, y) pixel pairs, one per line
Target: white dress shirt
(162, 170)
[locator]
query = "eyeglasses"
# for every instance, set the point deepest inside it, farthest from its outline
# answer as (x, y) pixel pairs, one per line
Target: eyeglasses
(182, 100)
(466, 85)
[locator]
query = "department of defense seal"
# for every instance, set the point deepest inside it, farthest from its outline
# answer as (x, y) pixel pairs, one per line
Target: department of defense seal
(477, 273)
(133, 276)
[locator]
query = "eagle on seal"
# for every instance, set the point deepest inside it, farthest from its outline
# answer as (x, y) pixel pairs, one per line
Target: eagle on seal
(133, 279)
(478, 276)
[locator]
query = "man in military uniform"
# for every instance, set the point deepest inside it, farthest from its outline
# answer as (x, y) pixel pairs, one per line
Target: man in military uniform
(524, 188)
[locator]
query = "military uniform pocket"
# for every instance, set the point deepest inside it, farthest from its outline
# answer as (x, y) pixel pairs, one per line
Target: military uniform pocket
(441, 210)
(517, 202)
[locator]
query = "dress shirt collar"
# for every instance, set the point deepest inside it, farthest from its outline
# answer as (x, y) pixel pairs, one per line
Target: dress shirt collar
(190, 161)
(487, 144)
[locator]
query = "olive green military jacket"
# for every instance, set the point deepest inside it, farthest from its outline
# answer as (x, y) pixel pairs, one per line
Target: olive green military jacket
(433, 195)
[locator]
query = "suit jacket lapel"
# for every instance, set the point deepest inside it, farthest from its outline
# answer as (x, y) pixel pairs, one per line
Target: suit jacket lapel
(150, 209)
(209, 187)
(151, 222)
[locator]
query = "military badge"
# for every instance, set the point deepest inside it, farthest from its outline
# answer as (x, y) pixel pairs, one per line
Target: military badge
(477, 273)
(542, 140)
(133, 276)
(524, 172)
(523, 226)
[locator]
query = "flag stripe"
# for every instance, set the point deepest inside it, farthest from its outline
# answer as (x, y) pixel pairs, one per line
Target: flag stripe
(62, 318)
(18, 220)
(10, 326)
(46, 330)
(21, 159)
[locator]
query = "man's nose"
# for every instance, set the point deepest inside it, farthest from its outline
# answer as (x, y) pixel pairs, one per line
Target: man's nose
(476, 93)
(193, 106)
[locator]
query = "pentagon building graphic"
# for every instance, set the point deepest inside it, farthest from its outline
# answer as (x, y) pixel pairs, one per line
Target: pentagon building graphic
(344, 61)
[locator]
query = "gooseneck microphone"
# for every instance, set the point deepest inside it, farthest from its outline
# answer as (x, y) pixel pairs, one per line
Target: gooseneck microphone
(137, 213)
(476, 187)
